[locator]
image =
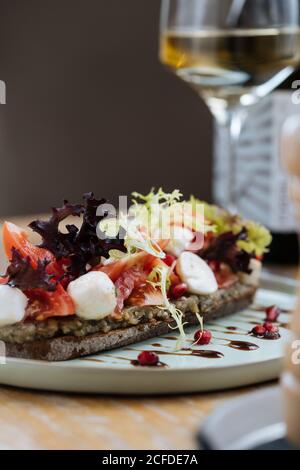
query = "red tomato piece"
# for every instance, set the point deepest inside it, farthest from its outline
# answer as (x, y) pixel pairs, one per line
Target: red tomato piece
(15, 237)
(44, 304)
(144, 295)
(115, 269)
(169, 260)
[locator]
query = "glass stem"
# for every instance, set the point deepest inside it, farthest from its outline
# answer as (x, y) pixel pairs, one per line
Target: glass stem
(233, 125)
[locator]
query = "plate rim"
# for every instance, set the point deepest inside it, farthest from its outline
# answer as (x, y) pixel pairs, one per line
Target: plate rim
(62, 364)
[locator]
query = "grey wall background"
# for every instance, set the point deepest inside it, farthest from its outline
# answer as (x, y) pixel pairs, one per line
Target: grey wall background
(89, 107)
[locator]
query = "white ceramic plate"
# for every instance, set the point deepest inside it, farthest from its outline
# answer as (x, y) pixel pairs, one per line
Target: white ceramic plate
(112, 372)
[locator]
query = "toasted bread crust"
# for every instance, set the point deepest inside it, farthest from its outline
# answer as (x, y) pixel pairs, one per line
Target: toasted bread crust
(64, 347)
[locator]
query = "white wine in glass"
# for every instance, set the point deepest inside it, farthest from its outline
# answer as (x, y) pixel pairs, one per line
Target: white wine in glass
(230, 65)
(233, 52)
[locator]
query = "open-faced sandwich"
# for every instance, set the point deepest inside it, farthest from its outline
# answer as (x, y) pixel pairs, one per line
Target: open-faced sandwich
(106, 282)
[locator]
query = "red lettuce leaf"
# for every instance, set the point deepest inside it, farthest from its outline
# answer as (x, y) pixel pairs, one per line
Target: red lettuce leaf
(21, 274)
(80, 246)
(224, 249)
(54, 240)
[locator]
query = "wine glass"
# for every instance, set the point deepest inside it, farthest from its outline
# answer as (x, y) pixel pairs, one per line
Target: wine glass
(233, 53)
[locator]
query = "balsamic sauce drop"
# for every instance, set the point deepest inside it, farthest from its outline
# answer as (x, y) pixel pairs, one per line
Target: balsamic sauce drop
(243, 345)
(206, 353)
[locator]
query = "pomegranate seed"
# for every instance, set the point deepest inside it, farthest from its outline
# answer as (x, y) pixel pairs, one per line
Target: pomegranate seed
(272, 333)
(269, 326)
(169, 260)
(272, 313)
(178, 291)
(202, 337)
(259, 330)
(148, 358)
(266, 331)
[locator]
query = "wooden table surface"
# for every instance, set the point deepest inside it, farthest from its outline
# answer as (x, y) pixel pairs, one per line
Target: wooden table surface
(44, 420)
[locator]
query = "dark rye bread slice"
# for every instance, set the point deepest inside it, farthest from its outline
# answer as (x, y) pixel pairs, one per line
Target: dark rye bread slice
(64, 347)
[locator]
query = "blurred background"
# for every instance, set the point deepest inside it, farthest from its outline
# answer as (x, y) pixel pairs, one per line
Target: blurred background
(89, 107)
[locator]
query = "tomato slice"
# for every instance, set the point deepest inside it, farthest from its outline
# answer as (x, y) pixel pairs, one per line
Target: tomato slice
(145, 295)
(175, 279)
(114, 270)
(15, 237)
(43, 304)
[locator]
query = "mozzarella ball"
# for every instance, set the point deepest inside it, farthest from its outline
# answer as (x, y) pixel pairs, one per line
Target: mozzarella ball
(13, 304)
(196, 273)
(181, 239)
(94, 295)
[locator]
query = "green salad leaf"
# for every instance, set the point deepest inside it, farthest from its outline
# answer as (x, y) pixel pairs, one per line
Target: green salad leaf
(221, 221)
